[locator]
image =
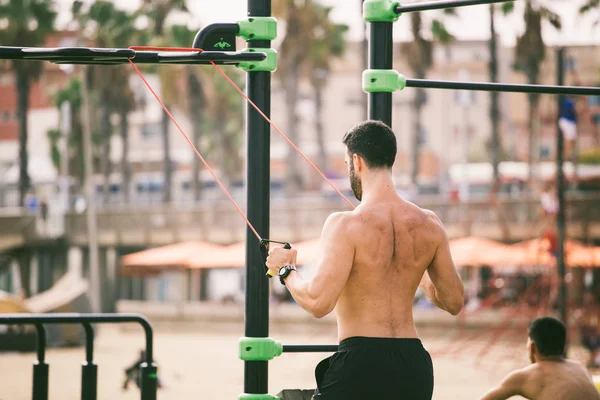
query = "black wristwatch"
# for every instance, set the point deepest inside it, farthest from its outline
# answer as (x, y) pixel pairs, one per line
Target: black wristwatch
(284, 272)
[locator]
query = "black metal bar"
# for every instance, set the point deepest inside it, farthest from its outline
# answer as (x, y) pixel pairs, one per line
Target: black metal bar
(202, 35)
(310, 348)
(149, 373)
(89, 370)
(19, 319)
(108, 56)
(381, 57)
(256, 373)
(40, 367)
(503, 87)
(560, 192)
(437, 5)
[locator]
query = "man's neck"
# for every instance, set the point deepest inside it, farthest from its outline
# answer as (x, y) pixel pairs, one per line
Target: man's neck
(550, 358)
(377, 184)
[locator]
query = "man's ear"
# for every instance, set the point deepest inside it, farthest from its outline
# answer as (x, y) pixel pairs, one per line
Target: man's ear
(359, 163)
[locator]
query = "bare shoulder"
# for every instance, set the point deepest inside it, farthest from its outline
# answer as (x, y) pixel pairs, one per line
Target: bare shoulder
(578, 367)
(340, 222)
(434, 224)
(432, 218)
(520, 378)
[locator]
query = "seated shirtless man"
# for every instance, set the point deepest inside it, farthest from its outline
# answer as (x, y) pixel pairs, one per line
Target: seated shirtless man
(550, 376)
(373, 260)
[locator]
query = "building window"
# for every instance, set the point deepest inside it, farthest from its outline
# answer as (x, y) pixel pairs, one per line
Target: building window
(5, 116)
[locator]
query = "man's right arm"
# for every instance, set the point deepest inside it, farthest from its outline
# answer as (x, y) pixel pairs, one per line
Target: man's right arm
(512, 385)
(441, 282)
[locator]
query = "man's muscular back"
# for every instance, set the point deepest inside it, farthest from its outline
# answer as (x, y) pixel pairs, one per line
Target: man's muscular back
(395, 243)
(556, 380)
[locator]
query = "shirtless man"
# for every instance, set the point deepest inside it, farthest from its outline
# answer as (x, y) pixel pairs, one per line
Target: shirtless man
(550, 376)
(373, 260)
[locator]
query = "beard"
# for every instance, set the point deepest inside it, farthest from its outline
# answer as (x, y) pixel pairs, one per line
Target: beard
(355, 183)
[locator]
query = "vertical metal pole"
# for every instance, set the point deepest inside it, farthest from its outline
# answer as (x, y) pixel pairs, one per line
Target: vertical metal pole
(89, 370)
(560, 192)
(40, 368)
(381, 53)
(257, 201)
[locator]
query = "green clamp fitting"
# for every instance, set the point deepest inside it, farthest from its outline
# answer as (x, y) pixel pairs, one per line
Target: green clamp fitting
(258, 28)
(259, 349)
(382, 80)
(269, 64)
(247, 396)
(380, 11)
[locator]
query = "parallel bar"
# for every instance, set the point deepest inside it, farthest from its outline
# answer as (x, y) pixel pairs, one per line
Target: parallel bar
(256, 373)
(310, 348)
(503, 87)
(381, 57)
(38, 319)
(89, 370)
(437, 5)
(560, 192)
(40, 368)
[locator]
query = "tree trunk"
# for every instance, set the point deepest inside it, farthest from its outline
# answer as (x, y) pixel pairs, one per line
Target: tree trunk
(495, 146)
(531, 126)
(417, 106)
(294, 178)
(196, 103)
(125, 168)
(166, 157)
(22, 83)
(105, 131)
(323, 159)
(364, 103)
(224, 150)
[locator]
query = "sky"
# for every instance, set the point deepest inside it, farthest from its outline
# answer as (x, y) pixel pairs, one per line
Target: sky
(472, 23)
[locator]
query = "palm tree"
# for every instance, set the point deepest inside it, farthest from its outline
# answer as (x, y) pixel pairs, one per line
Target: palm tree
(299, 17)
(329, 43)
(70, 93)
(495, 144)
(195, 100)
(158, 11)
(419, 55)
(530, 51)
(114, 28)
(227, 109)
(28, 24)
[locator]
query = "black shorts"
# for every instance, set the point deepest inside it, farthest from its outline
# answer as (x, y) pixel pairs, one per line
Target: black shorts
(376, 368)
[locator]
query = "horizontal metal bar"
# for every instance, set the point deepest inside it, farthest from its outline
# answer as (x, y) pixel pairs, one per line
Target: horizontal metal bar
(309, 348)
(503, 87)
(437, 5)
(108, 56)
(208, 56)
(58, 318)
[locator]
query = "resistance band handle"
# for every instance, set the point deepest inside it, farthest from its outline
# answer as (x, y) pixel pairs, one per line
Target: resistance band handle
(264, 248)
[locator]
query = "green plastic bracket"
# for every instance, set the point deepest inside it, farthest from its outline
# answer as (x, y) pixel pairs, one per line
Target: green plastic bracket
(380, 10)
(269, 64)
(259, 349)
(258, 28)
(246, 396)
(382, 80)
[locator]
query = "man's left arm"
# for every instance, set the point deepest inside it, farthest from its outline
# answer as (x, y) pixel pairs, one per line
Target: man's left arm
(319, 295)
(511, 386)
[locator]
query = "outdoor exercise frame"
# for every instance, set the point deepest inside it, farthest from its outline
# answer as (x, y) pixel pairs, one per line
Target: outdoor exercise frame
(259, 61)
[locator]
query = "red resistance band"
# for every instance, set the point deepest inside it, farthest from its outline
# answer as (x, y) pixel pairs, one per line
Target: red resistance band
(264, 242)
